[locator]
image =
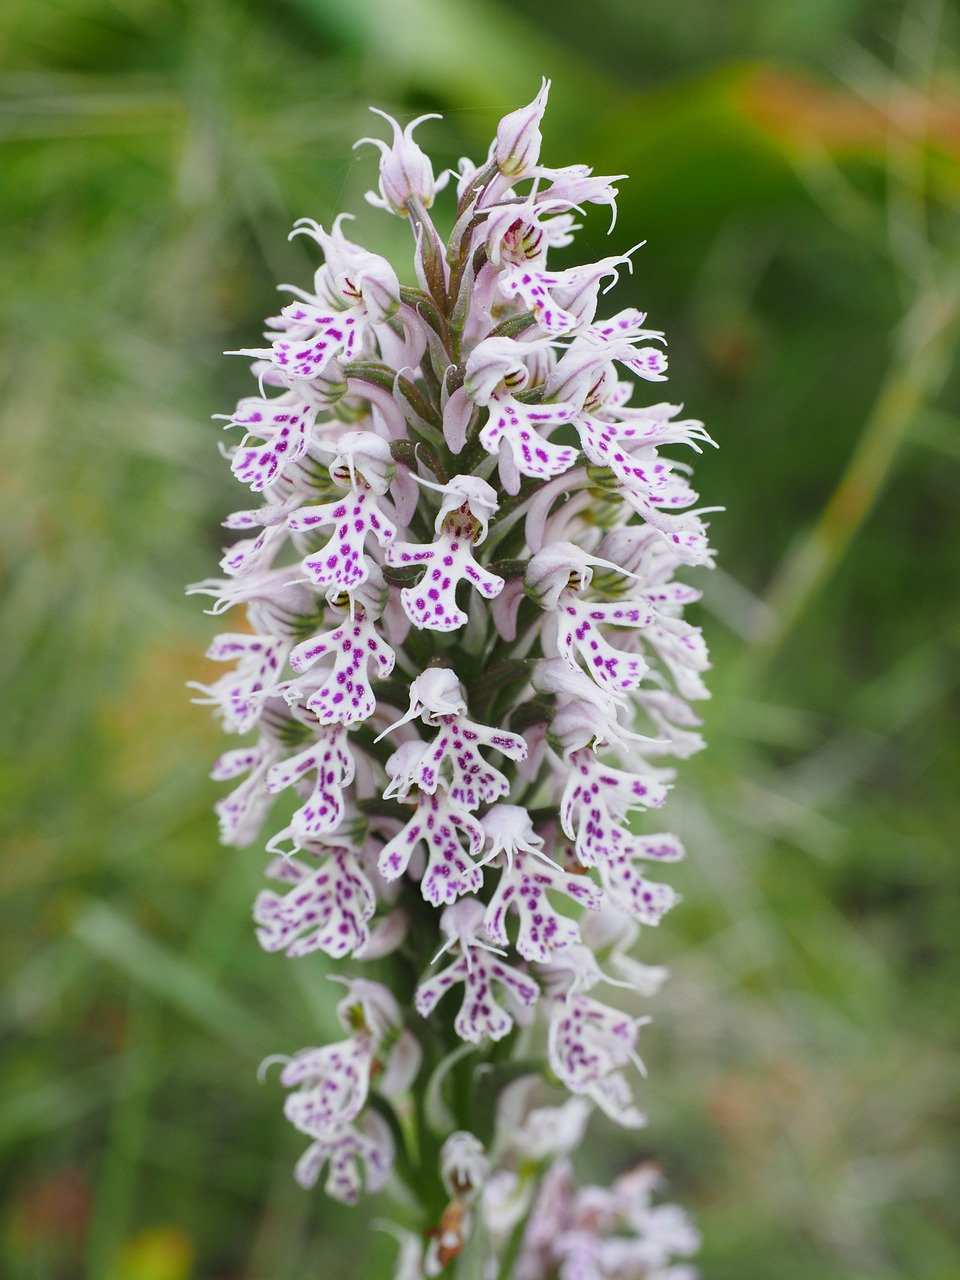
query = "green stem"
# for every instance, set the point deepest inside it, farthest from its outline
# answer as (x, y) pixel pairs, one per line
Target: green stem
(930, 333)
(510, 1255)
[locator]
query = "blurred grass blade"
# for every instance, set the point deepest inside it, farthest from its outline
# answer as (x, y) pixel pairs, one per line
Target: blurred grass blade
(55, 1105)
(929, 337)
(118, 939)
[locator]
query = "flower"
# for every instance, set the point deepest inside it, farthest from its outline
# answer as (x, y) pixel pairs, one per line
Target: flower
(240, 695)
(440, 824)
(344, 693)
(283, 424)
(596, 1233)
(480, 1016)
(494, 369)
(331, 761)
(552, 1131)
(405, 171)
(461, 523)
(523, 887)
(588, 1044)
(350, 1150)
(464, 1166)
(327, 908)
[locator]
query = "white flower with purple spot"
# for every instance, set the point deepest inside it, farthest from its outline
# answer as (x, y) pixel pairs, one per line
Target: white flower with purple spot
(282, 425)
(343, 693)
(468, 503)
(326, 909)
(358, 1158)
(240, 695)
(453, 839)
(480, 971)
(513, 430)
(589, 1044)
(333, 766)
(405, 170)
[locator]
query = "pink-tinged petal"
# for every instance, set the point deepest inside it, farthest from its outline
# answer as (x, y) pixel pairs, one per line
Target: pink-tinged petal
(402, 1067)
(496, 367)
(505, 606)
(405, 493)
(518, 142)
(457, 413)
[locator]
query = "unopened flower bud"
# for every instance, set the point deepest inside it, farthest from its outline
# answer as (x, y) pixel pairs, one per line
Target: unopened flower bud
(438, 692)
(405, 171)
(363, 459)
(368, 1007)
(371, 280)
(492, 364)
(519, 139)
(473, 493)
(578, 725)
(558, 566)
(463, 1165)
(553, 1131)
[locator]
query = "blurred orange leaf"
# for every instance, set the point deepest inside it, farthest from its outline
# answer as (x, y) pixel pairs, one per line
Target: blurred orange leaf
(801, 114)
(53, 1208)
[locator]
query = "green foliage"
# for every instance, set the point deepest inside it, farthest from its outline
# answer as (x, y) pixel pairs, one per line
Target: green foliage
(802, 255)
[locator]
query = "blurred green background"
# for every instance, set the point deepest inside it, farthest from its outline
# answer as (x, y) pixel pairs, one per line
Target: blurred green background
(795, 170)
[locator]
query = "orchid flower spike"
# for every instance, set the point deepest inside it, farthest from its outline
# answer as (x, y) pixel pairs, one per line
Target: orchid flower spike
(465, 677)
